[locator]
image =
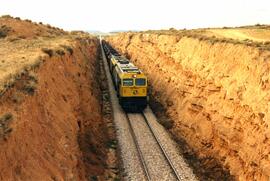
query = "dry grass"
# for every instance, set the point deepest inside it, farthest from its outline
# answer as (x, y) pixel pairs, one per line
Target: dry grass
(20, 55)
(254, 36)
(257, 34)
(24, 45)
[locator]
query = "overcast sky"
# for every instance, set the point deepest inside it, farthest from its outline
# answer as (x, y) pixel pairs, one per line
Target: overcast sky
(110, 15)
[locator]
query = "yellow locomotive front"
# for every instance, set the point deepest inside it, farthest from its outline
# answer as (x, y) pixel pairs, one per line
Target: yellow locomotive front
(129, 81)
(132, 87)
(133, 92)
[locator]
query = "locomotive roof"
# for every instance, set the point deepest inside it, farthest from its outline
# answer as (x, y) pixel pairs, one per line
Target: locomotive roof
(121, 59)
(128, 67)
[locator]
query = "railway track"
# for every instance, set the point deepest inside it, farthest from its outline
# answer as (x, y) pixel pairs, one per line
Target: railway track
(163, 152)
(144, 156)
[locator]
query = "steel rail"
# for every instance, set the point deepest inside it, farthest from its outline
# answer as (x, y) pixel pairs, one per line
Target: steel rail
(146, 171)
(162, 149)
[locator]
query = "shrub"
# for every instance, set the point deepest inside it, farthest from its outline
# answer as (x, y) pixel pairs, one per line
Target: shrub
(48, 51)
(266, 43)
(4, 31)
(12, 39)
(6, 118)
(68, 48)
(30, 87)
(5, 121)
(8, 85)
(6, 16)
(257, 44)
(37, 63)
(30, 84)
(48, 26)
(22, 37)
(32, 77)
(223, 40)
(60, 52)
(28, 20)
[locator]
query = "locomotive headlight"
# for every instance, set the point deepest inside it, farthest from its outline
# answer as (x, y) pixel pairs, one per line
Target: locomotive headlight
(134, 76)
(135, 92)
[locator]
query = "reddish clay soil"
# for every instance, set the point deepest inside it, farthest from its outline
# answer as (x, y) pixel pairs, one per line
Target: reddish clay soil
(215, 92)
(51, 123)
(58, 132)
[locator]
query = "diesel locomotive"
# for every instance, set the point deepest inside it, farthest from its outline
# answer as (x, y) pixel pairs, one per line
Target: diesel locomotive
(129, 81)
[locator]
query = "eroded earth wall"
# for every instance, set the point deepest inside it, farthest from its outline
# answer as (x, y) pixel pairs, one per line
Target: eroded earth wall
(51, 121)
(216, 93)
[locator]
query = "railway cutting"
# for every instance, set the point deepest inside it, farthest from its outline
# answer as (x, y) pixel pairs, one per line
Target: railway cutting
(144, 155)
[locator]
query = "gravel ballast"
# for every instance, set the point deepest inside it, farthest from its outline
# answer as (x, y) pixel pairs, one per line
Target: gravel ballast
(155, 161)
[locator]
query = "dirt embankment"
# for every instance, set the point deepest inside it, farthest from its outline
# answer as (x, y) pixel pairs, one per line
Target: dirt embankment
(51, 124)
(56, 127)
(216, 93)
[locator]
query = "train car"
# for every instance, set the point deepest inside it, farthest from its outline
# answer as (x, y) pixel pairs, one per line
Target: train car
(113, 60)
(129, 81)
(131, 86)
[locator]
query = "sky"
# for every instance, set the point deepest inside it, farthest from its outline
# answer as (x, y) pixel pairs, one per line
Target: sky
(114, 15)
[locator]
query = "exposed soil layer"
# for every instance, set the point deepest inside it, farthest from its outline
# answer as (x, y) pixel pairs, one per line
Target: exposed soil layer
(215, 92)
(51, 120)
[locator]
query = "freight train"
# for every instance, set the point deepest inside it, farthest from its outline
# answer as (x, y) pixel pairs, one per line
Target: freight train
(129, 81)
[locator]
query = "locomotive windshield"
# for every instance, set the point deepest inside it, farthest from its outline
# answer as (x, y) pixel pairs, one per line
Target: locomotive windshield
(127, 82)
(140, 82)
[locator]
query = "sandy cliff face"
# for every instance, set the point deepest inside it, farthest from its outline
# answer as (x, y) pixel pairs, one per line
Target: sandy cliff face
(217, 94)
(51, 122)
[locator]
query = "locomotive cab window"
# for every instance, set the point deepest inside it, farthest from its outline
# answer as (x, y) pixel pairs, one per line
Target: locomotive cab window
(127, 82)
(140, 82)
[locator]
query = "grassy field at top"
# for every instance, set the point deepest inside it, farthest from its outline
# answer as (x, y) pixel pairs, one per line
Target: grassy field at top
(254, 33)
(19, 55)
(258, 33)
(255, 36)
(24, 44)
